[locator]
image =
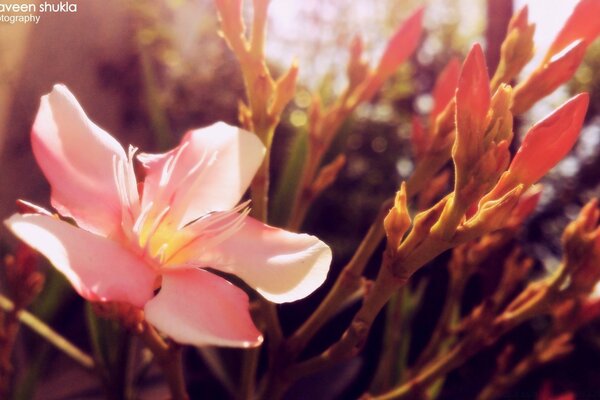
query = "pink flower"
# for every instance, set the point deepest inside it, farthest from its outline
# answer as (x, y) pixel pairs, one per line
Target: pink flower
(129, 242)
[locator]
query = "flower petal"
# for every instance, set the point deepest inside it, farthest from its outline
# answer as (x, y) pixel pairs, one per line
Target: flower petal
(282, 266)
(209, 171)
(98, 268)
(200, 308)
(77, 157)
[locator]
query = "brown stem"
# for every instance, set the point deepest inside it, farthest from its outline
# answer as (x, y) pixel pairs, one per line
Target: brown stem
(259, 190)
(392, 360)
(8, 336)
(442, 328)
(355, 336)
(440, 367)
(347, 283)
(303, 196)
(249, 365)
(49, 334)
(169, 358)
(478, 337)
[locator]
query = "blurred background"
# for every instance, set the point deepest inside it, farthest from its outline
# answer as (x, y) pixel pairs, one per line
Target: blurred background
(147, 71)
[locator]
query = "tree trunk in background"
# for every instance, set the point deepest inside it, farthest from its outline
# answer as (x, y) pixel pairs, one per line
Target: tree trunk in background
(498, 16)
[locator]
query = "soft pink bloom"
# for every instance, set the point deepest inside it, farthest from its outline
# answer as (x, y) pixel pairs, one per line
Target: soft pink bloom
(129, 243)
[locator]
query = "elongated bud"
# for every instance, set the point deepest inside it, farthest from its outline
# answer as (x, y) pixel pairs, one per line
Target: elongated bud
(581, 243)
(472, 105)
(494, 214)
(549, 141)
(517, 48)
(563, 57)
(520, 20)
(328, 174)
(501, 123)
(544, 145)
(422, 225)
(285, 89)
(401, 45)
(445, 88)
(527, 204)
(357, 69)
(548, 77)
(583, 24)
(418, 138)
(397, 222)
(575, 236)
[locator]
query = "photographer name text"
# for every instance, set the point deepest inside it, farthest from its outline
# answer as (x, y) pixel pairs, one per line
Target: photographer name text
(25, 13)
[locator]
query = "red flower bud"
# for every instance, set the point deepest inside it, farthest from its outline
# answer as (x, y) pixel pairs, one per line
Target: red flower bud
(445, 88)
(548, 141)
(401, 45)
(582, 24)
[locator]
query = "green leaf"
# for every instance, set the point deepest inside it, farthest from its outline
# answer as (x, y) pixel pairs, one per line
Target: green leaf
(110, 343)
(281, 203)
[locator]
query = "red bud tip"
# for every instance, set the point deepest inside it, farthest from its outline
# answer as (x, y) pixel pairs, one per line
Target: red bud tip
(582, 24)
(445, 87)
(472, 105)
(520, 19)
(549, 141)
(402, 44)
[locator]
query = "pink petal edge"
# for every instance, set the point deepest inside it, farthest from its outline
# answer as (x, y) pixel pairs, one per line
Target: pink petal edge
(199, 308)
(77, 157)
(282, 266)
(209, 171)
(98, 268)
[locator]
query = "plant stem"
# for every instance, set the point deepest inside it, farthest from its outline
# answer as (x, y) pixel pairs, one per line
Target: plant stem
(456, 357)
(346, 284)
(303, 194)
(441, 332)
(259, 189)
(391, 360)
(354, 338)
(9, 328)
(249, 366)
(483, 335)
(169, 358)
(49, 334)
